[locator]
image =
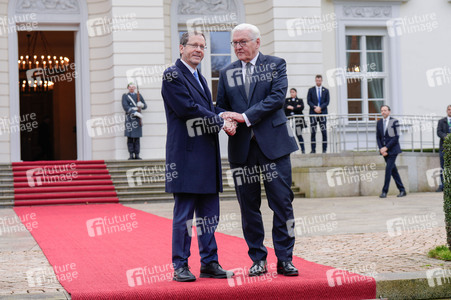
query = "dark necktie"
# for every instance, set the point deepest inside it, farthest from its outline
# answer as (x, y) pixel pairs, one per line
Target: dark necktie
(319, 96)
(247, 83)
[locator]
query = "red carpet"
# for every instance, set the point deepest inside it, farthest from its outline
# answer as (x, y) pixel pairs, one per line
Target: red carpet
(62, 182)
(109, 251)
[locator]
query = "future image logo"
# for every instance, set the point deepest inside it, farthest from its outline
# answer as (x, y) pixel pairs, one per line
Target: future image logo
(409, 224)
(438, 76)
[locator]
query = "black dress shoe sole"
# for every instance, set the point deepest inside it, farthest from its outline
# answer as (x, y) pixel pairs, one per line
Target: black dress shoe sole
(184, 280)
(206, 275)
(288, 273)
(258, 274)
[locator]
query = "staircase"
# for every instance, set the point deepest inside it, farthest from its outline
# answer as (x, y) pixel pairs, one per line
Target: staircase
(134, 182)
(62, 182)
(152, 188)
(6, 186)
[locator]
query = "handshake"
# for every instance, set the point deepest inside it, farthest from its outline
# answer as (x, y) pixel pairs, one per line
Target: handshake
(230, 121)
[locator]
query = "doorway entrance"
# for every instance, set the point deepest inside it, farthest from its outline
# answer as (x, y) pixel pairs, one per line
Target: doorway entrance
(47, 95)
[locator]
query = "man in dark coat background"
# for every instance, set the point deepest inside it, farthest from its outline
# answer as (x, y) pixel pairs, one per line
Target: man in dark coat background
(133, 120)
(387, 137)
(192, 148)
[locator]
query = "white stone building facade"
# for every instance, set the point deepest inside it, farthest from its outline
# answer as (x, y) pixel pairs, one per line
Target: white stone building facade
(396, 52)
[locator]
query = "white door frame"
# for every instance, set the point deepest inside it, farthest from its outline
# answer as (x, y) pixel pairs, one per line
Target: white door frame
(55, 21)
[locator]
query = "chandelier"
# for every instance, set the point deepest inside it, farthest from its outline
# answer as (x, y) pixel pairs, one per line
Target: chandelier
(36, 71)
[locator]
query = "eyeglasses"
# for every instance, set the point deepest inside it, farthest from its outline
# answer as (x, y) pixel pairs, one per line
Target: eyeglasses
(195, 46)
(241, 43)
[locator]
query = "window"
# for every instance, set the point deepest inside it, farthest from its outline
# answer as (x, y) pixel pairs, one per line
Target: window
(217, 56)
(220, 56)
(366, 74)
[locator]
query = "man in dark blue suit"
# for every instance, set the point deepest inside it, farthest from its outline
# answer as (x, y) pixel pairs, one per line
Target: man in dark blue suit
(253, 90)
(387, 136)
(318, 99)
(443, 129)
(192, 151)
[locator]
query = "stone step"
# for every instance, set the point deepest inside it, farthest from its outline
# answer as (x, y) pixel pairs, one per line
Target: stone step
(147, 192)
(165, 197)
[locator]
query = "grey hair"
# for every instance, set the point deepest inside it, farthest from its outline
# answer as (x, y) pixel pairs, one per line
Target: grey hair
(254, 32)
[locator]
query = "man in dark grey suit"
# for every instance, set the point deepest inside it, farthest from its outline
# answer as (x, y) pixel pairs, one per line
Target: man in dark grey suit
(443, 129)
(387, 136)
(253, 91)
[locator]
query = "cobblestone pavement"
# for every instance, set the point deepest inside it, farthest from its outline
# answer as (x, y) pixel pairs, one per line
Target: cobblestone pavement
(363, 234)
(374, 252)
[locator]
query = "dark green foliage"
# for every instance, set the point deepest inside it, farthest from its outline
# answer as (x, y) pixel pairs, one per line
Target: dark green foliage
(447, 187)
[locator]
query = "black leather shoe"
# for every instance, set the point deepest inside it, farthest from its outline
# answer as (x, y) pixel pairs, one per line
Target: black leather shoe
(287, 268)
(383, 195)
(214, 270)
(258, 268)
(440, 189)
(131, 156)
(402, 194)
(137, 157)
(183, 274)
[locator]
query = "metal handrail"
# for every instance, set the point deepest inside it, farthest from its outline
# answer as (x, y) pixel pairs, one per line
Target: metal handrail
(357, 132)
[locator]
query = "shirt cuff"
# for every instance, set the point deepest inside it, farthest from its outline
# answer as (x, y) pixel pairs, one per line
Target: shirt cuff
(223, 123)
(246, 120)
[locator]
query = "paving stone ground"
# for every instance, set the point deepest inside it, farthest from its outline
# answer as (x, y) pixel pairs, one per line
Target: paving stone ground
(363, 234)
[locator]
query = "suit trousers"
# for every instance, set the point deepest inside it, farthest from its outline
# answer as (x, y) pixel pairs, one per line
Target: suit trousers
(299, 126)
(133, 145)
(322, 122)
(391, 170)
(206, 207)
(276, 176)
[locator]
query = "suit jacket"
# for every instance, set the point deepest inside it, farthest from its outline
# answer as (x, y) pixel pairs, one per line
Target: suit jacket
(133, 128)
(264, 108)
(389, 138)
(443, 130)
(193, 125)
(312, 100)
(297, 111)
